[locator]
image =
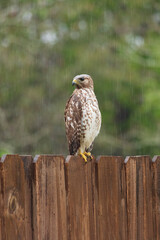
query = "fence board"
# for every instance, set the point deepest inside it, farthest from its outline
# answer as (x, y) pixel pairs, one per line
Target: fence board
(28, 169)
(49, 199)
(156, 196)
(139, 198)
(12, 197)
(112, 220)
(1, 200)
(80, 185)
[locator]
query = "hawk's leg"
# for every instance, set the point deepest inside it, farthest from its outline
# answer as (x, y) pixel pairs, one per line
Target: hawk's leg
(88, 154)
(83, 156)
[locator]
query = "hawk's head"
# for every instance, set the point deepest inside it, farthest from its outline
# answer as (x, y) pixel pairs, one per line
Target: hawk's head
(83, 81)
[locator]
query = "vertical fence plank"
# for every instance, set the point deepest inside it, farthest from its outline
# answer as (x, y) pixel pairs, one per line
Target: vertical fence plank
(12, 196)
(49, 199)
(80, 185)
(156, 197)
(112, 220)
(139, 198)
(1, 200)
(28, 169)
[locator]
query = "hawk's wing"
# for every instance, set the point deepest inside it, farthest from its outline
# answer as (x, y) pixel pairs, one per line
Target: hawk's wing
(73, 115)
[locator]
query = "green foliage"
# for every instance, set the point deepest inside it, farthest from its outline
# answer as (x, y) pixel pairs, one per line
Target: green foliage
(44, 44)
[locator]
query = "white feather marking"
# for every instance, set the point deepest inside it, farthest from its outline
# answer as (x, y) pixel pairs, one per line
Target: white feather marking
(69, 119)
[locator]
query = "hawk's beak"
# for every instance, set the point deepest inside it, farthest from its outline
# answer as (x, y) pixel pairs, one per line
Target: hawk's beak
(75, 82)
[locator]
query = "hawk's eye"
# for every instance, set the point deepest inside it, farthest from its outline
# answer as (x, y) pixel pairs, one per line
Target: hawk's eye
(82, 78)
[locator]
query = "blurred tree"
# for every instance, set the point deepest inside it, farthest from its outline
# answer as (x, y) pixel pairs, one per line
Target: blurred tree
(43, 44)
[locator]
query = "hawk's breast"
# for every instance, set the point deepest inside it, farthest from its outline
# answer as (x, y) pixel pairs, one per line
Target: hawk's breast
(91, 118)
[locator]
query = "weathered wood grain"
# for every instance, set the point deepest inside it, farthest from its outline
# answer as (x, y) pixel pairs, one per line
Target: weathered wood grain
(80, 188)
(107, 199)
(111, 185)
(12, 195)
(139, 198)
(156, 196)
(28, 170)
(1, 199)
(49, 198)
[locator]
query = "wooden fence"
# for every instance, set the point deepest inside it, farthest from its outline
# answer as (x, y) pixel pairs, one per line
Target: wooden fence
(50, 198)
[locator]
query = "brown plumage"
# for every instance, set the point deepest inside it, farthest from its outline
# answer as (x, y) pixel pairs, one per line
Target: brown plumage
(82, 117)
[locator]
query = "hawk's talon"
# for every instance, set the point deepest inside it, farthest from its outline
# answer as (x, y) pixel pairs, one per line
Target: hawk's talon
(88, 154)
(84, 157)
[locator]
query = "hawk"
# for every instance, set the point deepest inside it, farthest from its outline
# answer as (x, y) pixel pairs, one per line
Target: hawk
(82, 117)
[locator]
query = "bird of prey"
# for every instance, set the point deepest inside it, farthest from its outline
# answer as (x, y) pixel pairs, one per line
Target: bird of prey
(82, 117)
